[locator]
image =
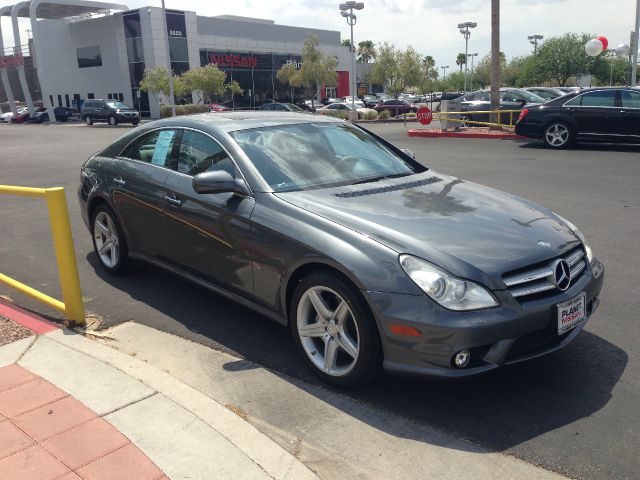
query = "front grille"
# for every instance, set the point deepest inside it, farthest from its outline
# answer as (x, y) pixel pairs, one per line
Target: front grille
(539, 280)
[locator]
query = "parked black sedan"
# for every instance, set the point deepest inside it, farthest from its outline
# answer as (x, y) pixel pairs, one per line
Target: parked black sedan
(371, 259)
(595, 115)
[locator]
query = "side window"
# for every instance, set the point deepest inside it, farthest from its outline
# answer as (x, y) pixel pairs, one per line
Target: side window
(511, 97)
(630, 99)
(602, 98)
(480, 96)
(199, 153)
(154, 147)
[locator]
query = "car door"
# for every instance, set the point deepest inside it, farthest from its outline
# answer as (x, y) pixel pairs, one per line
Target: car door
(596, 114)
(630, 121)
(207, 234)
(135, 181)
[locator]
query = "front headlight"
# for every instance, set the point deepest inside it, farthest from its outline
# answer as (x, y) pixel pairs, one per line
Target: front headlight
(580, 236)
(450, 292)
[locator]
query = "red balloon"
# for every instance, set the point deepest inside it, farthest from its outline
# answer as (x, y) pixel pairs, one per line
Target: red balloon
(605, 42)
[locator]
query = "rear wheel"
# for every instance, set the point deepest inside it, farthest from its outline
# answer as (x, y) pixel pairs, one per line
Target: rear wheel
(335, 330)
(112, 120)
(465, 121)
(557, 135)
(88, 120)
(108, 240)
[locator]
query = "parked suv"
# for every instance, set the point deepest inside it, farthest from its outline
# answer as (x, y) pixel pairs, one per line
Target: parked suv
(110, 111)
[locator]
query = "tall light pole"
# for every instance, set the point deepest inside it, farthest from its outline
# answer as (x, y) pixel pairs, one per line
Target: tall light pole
(346, 10)
(471, 55)
(634, 61)
(444, 71)
(464, 30)
(171, 89)
(533, 40)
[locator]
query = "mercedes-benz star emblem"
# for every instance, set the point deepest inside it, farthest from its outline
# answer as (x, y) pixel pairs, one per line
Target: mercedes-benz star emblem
(562, 274)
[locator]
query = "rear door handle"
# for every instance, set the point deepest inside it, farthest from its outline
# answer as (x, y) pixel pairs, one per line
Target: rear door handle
(173, 200)
(119, 181)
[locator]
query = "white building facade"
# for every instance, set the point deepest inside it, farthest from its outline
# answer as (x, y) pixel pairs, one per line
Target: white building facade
(104, 55)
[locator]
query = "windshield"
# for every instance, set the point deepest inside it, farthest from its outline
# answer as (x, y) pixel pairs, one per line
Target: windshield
(308, 156)
(119, 105)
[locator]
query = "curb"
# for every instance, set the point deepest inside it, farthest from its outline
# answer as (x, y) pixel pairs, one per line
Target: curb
(433, 133)
(28, 320)
(84, 357)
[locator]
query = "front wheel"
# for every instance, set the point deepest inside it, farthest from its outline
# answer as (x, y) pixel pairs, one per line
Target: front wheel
(335, 330)
(557, 135)
(88, 120)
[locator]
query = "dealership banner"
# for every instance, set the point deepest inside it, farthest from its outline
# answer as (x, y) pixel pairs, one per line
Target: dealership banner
(7, 61)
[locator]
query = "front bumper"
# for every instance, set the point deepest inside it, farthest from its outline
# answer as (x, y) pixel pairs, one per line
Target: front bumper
(505, 335)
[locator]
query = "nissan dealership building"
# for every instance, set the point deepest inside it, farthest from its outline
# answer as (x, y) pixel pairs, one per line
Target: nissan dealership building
(83, 50)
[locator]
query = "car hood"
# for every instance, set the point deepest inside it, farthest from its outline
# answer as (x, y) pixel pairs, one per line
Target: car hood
(472, 231)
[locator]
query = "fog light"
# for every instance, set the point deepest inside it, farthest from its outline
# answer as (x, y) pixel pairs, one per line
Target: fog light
(462, 358)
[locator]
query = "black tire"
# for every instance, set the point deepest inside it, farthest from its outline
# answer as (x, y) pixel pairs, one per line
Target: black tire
(465, 119)
(113, 121)
(123, 263)
(557, 135)
(368, 364)
(88, 120)
(135, 122)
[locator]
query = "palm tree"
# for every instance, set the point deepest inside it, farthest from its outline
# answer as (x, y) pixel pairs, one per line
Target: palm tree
(429, 62)
(346, 43)
(366, 51)
(461, 59)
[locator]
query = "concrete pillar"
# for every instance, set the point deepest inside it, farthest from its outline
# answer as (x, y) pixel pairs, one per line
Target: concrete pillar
(44, 87)
(3, 71)
(16, 38)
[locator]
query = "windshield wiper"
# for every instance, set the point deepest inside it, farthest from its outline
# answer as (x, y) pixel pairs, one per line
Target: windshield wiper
(383, 177)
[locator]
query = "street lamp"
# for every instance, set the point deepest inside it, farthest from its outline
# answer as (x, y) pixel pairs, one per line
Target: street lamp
(472, 55)
(444, 72)
(533, 40)
(464, 30)
(346, 10)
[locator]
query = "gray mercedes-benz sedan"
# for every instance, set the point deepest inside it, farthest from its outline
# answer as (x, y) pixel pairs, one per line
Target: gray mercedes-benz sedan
(372, 259)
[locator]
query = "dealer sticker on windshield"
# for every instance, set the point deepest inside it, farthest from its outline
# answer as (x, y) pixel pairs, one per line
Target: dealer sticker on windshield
(571, 313)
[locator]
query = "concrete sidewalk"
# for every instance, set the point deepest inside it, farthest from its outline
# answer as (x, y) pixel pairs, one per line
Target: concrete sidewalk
(70, 404)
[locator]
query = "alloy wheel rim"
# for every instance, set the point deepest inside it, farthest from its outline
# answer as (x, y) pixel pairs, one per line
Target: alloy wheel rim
(106, 238)
(328, 331)
(557, 135)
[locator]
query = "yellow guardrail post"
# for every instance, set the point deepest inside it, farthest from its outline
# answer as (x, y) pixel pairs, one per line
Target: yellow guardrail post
(65, 254)
(72, 304)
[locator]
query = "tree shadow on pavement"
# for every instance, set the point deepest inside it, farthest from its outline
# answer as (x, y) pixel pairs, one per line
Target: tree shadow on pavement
(499, 409)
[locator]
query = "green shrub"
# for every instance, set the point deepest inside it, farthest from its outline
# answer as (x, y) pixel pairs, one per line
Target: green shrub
(165, 110)
(384, 114)
(371, 116)
(337, 114)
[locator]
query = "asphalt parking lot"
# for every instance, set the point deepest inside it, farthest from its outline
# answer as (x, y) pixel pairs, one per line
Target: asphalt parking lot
(575, 412)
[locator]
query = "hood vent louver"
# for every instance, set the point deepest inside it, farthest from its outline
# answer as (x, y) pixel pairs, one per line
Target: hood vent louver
(389, 188)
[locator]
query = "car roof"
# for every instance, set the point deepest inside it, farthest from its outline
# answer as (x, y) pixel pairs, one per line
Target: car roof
(245, 120)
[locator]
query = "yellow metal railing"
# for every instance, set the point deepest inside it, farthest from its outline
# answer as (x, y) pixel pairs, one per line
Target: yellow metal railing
(437, 116)
(72, 305)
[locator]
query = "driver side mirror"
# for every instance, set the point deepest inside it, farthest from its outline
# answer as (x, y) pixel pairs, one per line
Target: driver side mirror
(219, 181)
(408, 152)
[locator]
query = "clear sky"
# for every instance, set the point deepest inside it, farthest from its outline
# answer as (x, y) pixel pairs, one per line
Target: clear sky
(430, 26)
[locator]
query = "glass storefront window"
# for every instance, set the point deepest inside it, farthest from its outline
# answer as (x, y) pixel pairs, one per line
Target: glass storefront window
(135, 52)
(132, 27)
(89, 57)
(178, 49)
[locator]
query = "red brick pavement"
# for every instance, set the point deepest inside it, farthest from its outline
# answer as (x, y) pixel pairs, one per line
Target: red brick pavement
(45, 434)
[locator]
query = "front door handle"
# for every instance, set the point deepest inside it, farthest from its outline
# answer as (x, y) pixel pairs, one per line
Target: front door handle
(173, 200)
(119, 181)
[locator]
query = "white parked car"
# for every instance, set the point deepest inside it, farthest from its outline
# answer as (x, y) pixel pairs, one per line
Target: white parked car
(345, 107)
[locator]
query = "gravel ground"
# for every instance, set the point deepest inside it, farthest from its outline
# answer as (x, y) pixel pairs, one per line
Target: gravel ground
(11, 331)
